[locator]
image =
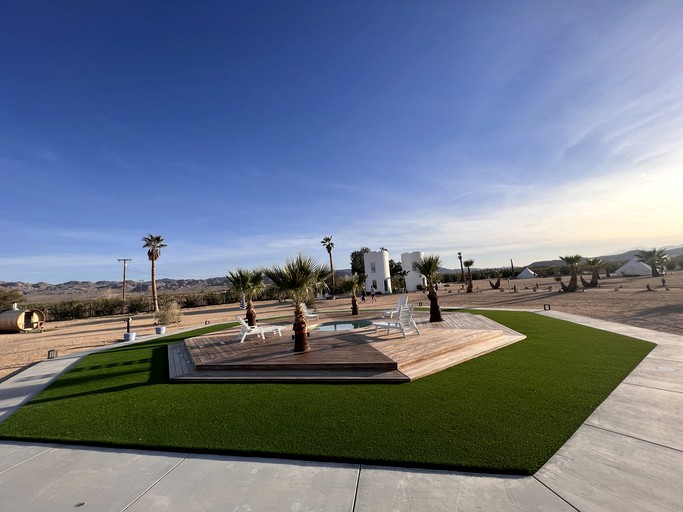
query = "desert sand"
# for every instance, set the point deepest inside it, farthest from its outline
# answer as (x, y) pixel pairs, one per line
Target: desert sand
(619, 299)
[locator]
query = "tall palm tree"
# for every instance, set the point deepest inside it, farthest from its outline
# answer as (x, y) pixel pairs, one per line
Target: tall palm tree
(250, 283)
(468, 264)
(654, 257)
(429, 266)
(299, 279)
(329, 245)
(573, 262)
(351, 284)
(154, 244)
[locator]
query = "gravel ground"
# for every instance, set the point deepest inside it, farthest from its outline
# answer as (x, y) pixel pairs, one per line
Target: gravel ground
(624, 300)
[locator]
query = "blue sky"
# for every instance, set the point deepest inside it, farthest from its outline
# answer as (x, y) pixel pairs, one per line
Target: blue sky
(245, 132)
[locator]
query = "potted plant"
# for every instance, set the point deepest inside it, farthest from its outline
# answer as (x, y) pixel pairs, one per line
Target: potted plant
(169, 313)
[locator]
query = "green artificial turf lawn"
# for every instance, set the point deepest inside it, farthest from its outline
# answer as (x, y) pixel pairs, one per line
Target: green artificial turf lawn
(507, 411)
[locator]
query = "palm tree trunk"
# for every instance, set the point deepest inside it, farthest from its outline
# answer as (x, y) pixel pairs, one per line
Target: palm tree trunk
(332, 270)
(434, 309)
(155, 299)
(573, 280)
(354, 304)
(251, 313)
(300, 334)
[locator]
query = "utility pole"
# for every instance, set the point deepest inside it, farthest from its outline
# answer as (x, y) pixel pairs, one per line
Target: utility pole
(125, 264)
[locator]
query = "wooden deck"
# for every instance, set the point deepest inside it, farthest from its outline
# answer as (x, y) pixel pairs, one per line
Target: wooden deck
(361, 355)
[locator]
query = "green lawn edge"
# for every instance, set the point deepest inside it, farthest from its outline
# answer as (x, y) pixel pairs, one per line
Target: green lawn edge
(506, 412)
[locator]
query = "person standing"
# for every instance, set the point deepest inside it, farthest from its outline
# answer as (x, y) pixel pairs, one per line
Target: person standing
(373, 289)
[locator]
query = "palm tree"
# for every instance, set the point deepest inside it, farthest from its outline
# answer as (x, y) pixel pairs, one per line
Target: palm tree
(654, 257)
(299, 279)
(595, 264)
(468, 264)
(572, 261)
(351, 284)
(329, 245)
(250, 283)
(429, 266)
(154, 244)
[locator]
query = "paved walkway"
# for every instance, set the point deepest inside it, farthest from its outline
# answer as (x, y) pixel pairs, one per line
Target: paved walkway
(627, 456)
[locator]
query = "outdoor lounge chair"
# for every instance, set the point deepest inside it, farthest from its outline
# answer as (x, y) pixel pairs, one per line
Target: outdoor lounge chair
(402, 301)
(308, 314)
(246, 330)
(404, 320)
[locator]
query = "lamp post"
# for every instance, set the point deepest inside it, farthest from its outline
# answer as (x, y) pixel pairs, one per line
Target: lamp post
(462, 269)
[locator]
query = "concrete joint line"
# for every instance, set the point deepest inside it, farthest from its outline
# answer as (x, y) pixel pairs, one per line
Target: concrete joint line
(187, 456)
(355, 493)
(633, 437)
(652, 387)
(26, 460)
(555, 493)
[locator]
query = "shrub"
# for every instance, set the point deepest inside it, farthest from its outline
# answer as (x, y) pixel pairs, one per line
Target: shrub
(138, 304)
(192, 300)
(105, 307)
(169, 313)
(9, 297)
(213, 298)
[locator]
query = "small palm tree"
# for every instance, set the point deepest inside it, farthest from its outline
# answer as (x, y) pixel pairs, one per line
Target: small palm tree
(429, 267)
(351, 284)
(250, 283)
(299, 279)
(154, 244)
(595, 264)
(573, 262)
(329, 245)
(655, 258)
(468, 264)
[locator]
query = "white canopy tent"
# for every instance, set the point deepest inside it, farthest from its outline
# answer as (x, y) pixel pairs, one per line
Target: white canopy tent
(527, 274)
(634, 268)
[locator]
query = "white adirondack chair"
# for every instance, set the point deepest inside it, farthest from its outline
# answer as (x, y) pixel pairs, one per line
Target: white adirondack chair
(402, 301)
(404, 320)
(308, 314)
(246, 329)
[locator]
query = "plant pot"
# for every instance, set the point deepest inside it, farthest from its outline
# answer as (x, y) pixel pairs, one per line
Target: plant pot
(128, 336)
(161, 329)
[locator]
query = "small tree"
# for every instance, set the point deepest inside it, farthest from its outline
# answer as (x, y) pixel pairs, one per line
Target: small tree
(299, 279)
(9, 297)
(357, 261)
(655, 258)
(468, 264)
(573, 262)
(429, 267)
(351, 284)
(250, 283)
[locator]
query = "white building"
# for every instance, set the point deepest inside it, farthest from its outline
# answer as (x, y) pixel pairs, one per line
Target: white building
(413, 277)
(376, 265)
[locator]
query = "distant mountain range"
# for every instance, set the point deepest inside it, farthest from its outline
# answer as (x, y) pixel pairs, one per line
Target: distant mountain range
(624, 256)
(101, 288)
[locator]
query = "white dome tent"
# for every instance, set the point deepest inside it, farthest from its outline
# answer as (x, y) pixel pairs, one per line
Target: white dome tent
(527, 274)
(635, 268)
